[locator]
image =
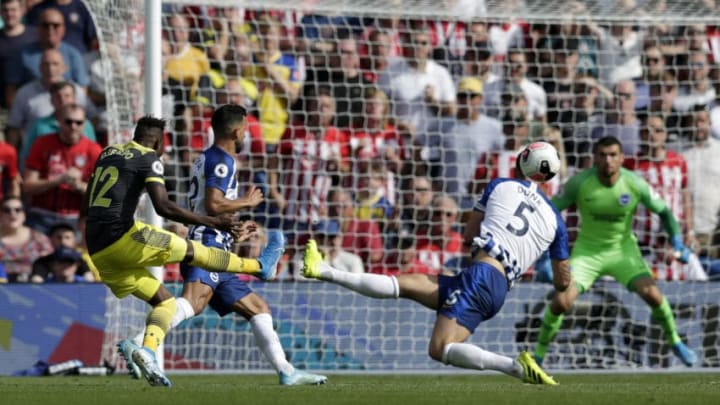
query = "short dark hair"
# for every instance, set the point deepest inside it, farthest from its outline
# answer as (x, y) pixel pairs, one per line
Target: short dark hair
(146, 125)
(226, 117)
(57, 86)
(606, 141)
(61, 227)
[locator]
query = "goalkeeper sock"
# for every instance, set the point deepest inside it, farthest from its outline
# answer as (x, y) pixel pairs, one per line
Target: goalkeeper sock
(214, 259)
(269, 343)
(158, 323)
(664, 316)
(549, 328)
(367, 284)
(466, 355)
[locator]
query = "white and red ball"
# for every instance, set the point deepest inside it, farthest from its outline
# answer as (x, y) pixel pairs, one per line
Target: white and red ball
(539, 161)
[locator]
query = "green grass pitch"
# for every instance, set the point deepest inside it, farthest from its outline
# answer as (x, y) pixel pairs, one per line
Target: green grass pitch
(587, 389)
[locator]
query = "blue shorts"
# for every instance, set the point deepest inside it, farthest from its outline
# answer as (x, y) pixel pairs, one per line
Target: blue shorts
(227, 287)
(475, 295)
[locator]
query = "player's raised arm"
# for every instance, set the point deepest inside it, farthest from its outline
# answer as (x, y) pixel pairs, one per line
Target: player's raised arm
(216, 203)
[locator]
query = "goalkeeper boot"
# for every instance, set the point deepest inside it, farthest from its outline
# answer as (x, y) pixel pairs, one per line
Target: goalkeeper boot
(270, 256)
(125, 348)
(532, 373)
(312, 260)
(685, 354)
(149, 367)
(299, 377)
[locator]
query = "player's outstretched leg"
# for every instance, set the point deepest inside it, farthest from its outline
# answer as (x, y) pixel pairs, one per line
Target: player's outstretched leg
(367, 284)
(149, 367)
(125, 348)
(299, 377)
(270, 256)
(685, 354)
(533, 374)
(311, 260)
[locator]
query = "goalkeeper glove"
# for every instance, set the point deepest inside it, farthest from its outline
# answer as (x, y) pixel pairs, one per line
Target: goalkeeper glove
(682, 252)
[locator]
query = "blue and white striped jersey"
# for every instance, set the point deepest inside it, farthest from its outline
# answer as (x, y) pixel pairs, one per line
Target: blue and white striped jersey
(215, 168)
(520, 224)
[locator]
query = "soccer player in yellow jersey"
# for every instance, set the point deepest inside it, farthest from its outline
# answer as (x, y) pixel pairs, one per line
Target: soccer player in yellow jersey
(122, 248)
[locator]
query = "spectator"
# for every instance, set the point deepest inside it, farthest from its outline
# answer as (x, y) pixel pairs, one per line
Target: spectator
(402, 259)
(57, 170)
(662, 98)
(65, 264)
(319, 29)
(184, 65)
(479, 63)
(472, 135)
(14, 36)
(314, 157)
(421, 90)
(33, 100)
(666, 172)
(9, 178)
(371, 201)
(80, 29)
(578, 123)
(558, 87)
(379, 54)
(515, 76)
(348, 85)
(25, 67)
(622, 121)
(415, 209)
(441, 243)
(653, 71)
(699, 89)
(390, 28)
(20, 245)
(327, 234)
(361, 237)
(61, 94)
(619, 50)
(704, 180)
(377, 138)
(277, 76)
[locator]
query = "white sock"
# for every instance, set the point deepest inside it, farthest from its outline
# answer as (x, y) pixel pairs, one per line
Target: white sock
(368, 284)
(269, 343)
(466, 355)
(183, 311)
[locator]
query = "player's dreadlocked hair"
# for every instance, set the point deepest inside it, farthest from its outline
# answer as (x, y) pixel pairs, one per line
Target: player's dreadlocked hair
(145, 126)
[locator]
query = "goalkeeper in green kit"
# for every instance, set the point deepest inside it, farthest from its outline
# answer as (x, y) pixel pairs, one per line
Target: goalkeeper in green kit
(606, 197)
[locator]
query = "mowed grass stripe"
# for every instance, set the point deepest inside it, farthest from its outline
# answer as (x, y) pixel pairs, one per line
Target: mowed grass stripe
(684, 389)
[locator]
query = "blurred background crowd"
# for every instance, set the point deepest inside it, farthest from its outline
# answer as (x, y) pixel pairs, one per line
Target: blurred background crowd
(374, 135)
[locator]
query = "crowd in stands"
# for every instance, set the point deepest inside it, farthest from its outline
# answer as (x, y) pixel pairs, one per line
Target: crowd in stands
(372, 135)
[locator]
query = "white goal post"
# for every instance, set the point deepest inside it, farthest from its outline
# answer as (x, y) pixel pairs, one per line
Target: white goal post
(324, 327)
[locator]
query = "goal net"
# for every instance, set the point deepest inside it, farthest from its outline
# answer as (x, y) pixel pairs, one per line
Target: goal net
(384, 119)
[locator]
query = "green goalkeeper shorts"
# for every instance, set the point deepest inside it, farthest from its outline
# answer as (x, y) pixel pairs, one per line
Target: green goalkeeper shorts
(623, 262)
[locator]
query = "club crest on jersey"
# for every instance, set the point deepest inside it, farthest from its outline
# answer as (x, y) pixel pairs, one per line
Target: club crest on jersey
(221, 170)
(214, 277)
(624, 199)
(157, 168)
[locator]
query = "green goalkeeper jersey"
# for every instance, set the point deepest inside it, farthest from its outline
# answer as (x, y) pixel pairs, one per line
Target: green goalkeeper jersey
(606, 213)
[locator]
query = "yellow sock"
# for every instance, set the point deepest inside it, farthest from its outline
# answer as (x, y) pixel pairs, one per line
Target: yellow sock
(158, 323)
(214, 259)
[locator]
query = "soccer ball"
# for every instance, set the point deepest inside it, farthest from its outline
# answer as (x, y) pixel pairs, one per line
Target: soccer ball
(539, 161)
